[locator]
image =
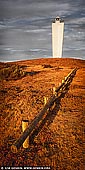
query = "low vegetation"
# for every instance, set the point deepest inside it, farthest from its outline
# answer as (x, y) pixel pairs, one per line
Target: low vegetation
(12, 72)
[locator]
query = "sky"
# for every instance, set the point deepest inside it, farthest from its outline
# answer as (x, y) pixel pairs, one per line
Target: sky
(26, 28)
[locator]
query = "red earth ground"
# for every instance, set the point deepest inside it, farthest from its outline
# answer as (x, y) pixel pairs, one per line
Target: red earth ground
(59, 143)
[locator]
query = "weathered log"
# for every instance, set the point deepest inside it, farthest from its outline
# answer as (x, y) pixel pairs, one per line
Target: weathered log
(72, 73)
(36, 120)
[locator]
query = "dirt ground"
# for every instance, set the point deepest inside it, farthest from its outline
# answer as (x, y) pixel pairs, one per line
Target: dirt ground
(59, 143)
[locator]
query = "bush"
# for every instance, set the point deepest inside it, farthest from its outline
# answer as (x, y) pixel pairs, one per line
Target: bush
(12, 72)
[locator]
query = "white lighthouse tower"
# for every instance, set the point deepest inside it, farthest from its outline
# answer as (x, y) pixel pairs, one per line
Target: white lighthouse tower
(57, 37)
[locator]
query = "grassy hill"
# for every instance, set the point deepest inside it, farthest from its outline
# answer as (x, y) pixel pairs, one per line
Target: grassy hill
(60, 142)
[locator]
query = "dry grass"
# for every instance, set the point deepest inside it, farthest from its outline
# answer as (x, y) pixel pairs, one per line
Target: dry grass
(60, 142)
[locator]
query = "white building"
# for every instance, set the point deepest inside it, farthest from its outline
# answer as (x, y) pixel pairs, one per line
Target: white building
(57, 37)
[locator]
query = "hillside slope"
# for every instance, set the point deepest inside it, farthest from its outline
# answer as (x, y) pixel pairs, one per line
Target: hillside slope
(60, 141)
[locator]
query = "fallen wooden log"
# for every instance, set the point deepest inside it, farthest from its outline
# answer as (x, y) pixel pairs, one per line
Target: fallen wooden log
(36, 120)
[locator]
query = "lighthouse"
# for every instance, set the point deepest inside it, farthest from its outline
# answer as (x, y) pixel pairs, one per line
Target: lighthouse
(57, 37)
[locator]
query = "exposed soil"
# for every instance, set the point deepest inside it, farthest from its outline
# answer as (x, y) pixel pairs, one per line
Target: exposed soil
(59, 143)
